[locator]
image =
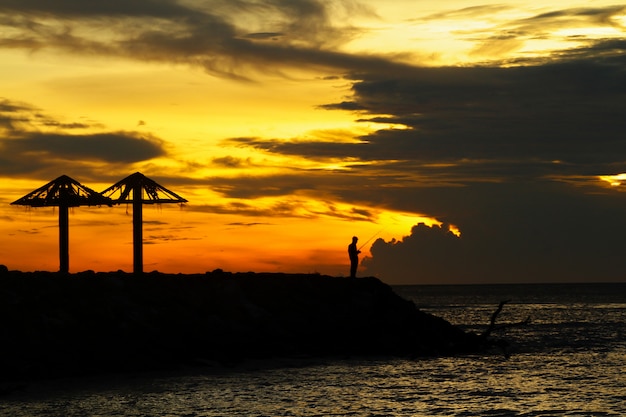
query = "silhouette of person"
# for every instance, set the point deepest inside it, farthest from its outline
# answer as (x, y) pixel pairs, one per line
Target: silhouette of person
(353, 253)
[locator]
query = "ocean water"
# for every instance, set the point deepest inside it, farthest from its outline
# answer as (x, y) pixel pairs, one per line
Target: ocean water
(568, 361)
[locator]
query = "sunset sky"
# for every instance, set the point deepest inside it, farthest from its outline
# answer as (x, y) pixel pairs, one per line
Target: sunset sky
(462, 141)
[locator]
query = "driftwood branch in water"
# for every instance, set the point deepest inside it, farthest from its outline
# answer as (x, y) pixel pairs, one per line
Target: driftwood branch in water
(494, 317)
(501, 343)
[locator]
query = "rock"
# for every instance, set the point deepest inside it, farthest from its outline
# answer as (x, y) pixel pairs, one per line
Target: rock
(69, 324)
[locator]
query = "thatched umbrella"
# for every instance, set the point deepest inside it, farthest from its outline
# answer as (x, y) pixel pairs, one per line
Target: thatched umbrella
(139, 189)
(63, 192)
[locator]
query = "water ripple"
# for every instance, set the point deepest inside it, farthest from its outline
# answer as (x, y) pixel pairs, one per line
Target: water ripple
(568, 362)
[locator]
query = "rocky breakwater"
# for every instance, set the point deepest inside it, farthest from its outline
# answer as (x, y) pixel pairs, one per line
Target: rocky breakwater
(69, 324)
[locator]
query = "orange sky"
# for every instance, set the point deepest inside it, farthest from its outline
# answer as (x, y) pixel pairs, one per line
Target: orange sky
(291, 128)
(185, 238)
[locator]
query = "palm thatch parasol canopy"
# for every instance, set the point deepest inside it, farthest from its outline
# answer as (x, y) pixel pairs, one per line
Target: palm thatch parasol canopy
(63, 192)
(123, 191)
(138, 190)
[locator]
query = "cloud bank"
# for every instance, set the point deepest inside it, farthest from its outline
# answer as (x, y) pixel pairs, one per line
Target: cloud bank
(34, 144)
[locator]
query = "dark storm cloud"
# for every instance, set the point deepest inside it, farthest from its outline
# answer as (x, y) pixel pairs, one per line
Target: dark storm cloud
(513, 232)
(28, 148)
(554, 119)
(511, 156)
(426, 251)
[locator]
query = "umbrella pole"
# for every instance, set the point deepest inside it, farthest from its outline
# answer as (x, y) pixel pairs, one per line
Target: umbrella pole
(64, 240)
(137, 231)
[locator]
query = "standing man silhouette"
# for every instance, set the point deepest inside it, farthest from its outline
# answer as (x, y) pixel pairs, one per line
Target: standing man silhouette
(353, 253)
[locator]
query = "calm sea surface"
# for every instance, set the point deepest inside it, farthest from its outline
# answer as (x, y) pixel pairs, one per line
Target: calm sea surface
(569, 361)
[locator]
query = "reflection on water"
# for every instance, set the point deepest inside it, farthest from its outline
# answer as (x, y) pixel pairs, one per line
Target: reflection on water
(569, 362)
(569, 385)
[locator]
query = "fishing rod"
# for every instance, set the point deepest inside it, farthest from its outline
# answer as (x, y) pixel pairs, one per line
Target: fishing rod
(370, 239)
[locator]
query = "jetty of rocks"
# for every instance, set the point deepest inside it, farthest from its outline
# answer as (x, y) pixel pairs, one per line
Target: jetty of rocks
(54, 324)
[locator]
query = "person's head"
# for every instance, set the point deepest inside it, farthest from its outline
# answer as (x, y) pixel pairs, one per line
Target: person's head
(354, 239)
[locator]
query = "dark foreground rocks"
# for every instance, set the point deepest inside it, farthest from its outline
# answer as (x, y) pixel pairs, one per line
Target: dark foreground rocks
(58, 324)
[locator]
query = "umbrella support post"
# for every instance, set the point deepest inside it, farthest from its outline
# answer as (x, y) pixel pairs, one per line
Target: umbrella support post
(64, 239)
(143, 191)
(137, 231)
(63, 192)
